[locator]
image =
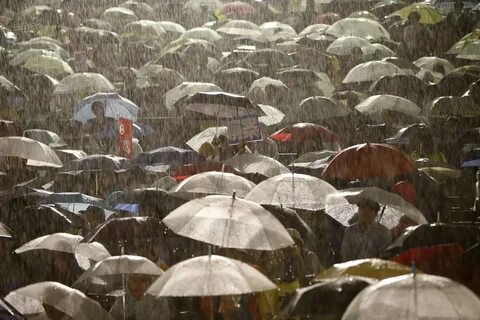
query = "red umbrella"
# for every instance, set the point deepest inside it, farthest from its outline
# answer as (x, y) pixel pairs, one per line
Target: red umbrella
(192, 169)
(302, 132)
(237, 9)
(370, 160)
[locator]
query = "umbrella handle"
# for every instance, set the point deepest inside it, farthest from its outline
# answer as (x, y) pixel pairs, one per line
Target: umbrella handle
(381, 214)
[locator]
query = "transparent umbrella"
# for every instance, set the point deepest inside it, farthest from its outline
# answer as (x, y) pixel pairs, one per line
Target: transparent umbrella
(36, 153)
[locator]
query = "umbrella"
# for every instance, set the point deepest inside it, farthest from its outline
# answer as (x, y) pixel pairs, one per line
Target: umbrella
(311, 157)
(371, 71)
(445, 107)
(48, 65)
(210, 276)
(360, 27)
(272, 58)
(168, 156)
(92, 37)
(98, 162)
(389, 6)
(296, 191)
(75, 201)
(237, 9)
(318, 28)
(229, 222)
(213, 182)
(442, 174)
(207, 135)
(368, 161)
(256, 163)
(335, 294)
(369, 268)
(115, 107)
(377, 51)
(471, 51)
(303, 132)
(196, 5)
(143, 30)
(5, 232)
(36, 153)
(72, 303)
(83, 84)
(431, 63)
(343, 46)
(201, 33)
(395, 206)
(241, 28)
(317, 108)
(428, 14)
(269, 91)
(220, 105)
(154, 75)
(118, 16)
(49, 138)
(187, 88)
(275, 30)
(273, 115)
(236, 80)
(172, 27)
(419, 296)
(8, 89)
(22, 57)
(141, 9)
(363, 14)
(376, 106)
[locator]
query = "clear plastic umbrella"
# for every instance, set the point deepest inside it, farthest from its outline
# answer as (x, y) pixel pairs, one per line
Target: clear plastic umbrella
(257, 163)
(188, 88)
(371, 71)
(343, 46)
(360, 27)
(36, 153)
(116, 106)
(422, 296)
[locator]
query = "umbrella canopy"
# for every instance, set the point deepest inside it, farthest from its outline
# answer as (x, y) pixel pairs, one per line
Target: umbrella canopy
(92, 37)
(207, 135)
(36, 153)
(377, 51)
(5, 232)
(143, 30)
(118, 16)
(236, 80)
(229, 222)
(213, 182)
(141, 9)
(317, 108)
(302, 132)
(22, 57)
(241, 28)
(445, 107)
(395, 206)
(168, 156)
(470, 51)
(275, 30)
(256, 163)
(237, 9)
(367, 161)
(432, 63)
(371, 71)
(414, 296)
(75, 201)
(220, 105)
(196, 5)
(115, 107)
(62, 242)
(273, 115)
(172, 27)
(268, 91)
(72, 303)
(343, 46)
(335, 295)
(98, 162)
(376, 106)
(48, 65)
(269, 58)
(210, 276)
(187, 88)
(201, 33)
(363, 14)
(296, 191)
(49, 138)
(83, 84)
(369, 268)
(428, 14)
(360, 27)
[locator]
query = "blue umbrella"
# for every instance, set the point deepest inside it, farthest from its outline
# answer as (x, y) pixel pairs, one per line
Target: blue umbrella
(471, 163)
(168, 155)
(129, 207)
(75, 201)
(116, 106)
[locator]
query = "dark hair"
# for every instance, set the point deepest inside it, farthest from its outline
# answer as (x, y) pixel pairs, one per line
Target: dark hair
(368, 204)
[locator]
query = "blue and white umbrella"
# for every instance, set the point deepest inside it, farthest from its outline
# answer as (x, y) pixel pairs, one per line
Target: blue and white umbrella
(116, 106)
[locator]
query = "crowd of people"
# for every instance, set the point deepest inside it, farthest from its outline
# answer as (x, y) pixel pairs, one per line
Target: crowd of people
(347, 130)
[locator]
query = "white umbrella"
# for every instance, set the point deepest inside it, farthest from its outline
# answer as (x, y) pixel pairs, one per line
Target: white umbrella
(229, 222)
(375, 105)
(83, 84)
(196, 5)
(115, 107)
(292, 190)
(257, 163)
(206, 135)
(62, 242)
(430, 63)
(188, 88)
(118, 16)
(210, 276)
(360, 27)
(5, 231)
(377, 51)
(49, 138)
(420, 296)
(173, 27)
(241, 28)
(343, 46)
(314, 28)
(36, 153)
(395, 206)
(73, 303)
(371, 71)
(275, 30)
(214, 182)
(471, 51)
(24, 56)
(273, 115)
(201, 33)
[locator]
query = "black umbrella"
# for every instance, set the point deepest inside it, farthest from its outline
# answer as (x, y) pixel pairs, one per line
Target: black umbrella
(330, 298)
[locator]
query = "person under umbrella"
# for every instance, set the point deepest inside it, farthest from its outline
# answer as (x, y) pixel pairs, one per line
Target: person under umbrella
(103, 129)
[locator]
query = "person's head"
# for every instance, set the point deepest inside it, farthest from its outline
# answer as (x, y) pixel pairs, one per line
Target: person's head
(98, 110)
(223, 141)
(138, 284)
(93, 217)
(414, 17)
(367, 211)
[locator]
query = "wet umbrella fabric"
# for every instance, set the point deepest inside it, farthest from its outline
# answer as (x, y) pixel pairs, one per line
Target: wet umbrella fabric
(371, 71)
(62, 242)
(115, 107)
(73, 303)
(207, 135)
(210, 276)
(48, 65)
(208, 183)
(22, 57)
(428, 14)
(83, 84)
(359, 27)
(5, 232)
(297, 191)
(49, 138)
(75, 201)
(378, 104)
(168, 155)
(97, 162)
(369, 161)
(421, 296)
(256, 163)
(229, 222)
(187, 88)
(36, 153)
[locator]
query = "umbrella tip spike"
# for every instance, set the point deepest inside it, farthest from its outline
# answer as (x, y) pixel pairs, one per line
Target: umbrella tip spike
(414, 269)
(234, 194)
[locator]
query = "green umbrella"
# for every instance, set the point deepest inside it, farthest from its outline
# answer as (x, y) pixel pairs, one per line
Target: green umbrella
(48, 65)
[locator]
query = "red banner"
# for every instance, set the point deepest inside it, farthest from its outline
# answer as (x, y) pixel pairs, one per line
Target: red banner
(126, 135)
